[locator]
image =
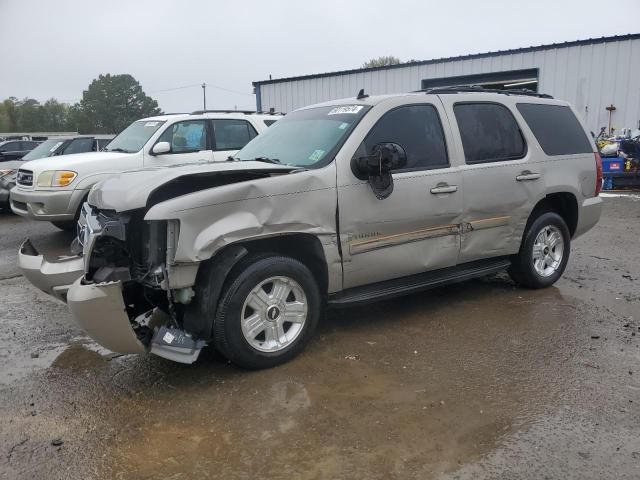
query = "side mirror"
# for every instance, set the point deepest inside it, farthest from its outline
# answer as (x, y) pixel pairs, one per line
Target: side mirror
(385, 158)
(377, 167)
(160, 148)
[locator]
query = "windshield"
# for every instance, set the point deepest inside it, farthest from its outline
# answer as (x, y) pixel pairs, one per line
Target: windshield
(305, 138)
(45, 149)
(133, 138)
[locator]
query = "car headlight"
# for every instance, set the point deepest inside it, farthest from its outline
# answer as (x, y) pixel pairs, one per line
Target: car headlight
(6, 172)
(56, 178)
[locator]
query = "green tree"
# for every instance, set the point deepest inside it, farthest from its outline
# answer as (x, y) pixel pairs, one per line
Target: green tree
(112, 102)
(381, 62)
(75, 120)
(29, 115)
(9, 114)
(54, 115)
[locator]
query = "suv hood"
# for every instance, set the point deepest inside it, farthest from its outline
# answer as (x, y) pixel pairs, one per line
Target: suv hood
(145, 187)
(73, 161)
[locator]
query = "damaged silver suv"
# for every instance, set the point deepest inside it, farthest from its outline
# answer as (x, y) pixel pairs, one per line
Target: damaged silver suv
(336, 204)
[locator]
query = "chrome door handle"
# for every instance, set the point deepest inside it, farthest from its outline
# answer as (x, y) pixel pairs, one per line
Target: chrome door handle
(527, 175)
(444, 189)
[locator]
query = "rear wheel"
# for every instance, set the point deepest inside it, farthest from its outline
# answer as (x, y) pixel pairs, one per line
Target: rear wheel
(544, 252)
(267, 312)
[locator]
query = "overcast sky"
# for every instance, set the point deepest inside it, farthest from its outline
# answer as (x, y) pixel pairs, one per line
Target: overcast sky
(54, 48)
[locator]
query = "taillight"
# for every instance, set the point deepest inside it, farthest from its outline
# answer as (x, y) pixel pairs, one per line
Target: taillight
(598, 174)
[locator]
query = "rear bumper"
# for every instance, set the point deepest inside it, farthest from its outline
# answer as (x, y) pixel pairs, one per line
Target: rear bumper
(100, 311)
(53, 278)
(588, 215)
(46, 205)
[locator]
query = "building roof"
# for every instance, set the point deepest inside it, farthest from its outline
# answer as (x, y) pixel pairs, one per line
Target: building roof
(550, 46)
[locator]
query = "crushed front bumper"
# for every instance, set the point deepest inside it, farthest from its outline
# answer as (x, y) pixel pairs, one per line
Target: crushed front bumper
(98, 308)
(100, 311)
(53, 278)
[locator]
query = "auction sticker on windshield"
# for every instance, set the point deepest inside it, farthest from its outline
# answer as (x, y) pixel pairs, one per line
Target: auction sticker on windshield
(53, 149)
(316, 155)
(346, 109)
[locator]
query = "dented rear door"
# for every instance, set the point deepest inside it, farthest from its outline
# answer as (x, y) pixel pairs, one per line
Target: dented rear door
(500, 176)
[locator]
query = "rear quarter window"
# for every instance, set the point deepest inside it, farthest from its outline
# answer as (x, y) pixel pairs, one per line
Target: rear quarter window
(556, 128)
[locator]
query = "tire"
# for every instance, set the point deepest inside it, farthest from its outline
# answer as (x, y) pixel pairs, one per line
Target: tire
(68, 226)
(264, 291)
(551, 256)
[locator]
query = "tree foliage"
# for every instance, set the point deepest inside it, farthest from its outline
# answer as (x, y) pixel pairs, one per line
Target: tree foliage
(110, 104)
(381, 62)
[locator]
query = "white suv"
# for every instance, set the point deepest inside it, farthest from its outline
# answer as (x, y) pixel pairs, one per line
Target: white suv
(54, 189)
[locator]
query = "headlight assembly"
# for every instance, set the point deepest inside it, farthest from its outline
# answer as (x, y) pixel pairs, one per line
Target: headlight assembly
(56, 178)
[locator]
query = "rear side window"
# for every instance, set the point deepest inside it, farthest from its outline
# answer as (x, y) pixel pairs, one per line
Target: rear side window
(556, 128)
(232, 134)
(489, 132)
(10, 147)
(417, 129)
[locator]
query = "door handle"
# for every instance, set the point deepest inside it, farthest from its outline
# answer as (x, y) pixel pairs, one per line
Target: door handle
(527, 175)
(444, 188)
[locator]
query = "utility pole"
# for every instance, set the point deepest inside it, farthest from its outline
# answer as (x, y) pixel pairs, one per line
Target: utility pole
(204, 96)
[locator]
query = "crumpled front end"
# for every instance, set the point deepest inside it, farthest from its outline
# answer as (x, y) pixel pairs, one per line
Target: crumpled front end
(123, 300)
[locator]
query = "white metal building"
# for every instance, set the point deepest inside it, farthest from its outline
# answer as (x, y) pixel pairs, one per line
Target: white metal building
(591, 74)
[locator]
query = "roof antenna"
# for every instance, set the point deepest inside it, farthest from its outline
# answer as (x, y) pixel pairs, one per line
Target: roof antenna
(361, 94)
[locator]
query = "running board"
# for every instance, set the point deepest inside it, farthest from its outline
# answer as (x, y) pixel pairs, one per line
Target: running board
(416, 283)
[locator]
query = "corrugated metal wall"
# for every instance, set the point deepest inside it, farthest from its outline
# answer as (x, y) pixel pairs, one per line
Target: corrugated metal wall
(589, 76)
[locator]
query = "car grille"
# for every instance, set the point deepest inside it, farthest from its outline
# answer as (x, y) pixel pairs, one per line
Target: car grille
(25, 177)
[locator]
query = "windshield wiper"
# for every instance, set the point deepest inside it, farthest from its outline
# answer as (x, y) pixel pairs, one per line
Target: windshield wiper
(267, 160)
(232, 159)
(117, 150)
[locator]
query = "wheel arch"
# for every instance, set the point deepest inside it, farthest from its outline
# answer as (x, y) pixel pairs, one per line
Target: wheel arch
(563, 203)
(214, 272)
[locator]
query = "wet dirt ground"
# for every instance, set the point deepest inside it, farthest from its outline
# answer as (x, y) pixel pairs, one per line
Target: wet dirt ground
(477, 380)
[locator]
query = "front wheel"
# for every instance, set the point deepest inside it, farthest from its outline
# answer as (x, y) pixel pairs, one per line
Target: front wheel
(267, 313)
(544, 252)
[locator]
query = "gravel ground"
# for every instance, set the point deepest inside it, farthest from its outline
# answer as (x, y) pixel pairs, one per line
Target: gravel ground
(477, 380)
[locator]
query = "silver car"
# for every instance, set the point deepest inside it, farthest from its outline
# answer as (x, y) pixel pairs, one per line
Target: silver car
(341, 203)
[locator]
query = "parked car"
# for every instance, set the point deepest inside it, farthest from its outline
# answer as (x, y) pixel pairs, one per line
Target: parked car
(54, 190)
(15, 149)
(341, 203)
(49, 148)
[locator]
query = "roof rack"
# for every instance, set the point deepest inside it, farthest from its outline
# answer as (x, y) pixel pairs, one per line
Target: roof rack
(245, 112)
(200, 112)
(480, 89)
